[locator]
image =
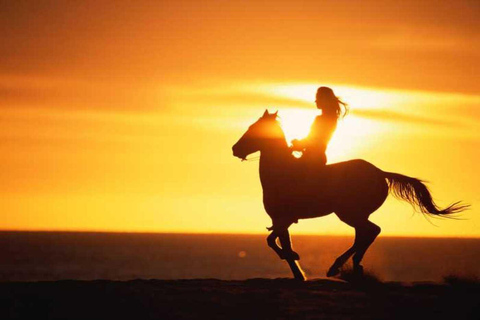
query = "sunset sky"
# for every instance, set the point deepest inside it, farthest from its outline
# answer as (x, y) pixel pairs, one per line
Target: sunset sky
(121, 115)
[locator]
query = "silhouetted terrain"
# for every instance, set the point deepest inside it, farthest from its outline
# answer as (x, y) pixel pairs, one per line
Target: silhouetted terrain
(248, 299)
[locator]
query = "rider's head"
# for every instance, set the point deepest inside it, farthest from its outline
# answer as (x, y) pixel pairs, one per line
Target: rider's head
(330, 104)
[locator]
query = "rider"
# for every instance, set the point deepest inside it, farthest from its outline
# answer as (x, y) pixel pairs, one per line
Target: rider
(315, 144)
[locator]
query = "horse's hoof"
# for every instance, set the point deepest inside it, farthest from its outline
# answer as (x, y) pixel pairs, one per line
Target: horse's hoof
(300, 279)
(333, 272)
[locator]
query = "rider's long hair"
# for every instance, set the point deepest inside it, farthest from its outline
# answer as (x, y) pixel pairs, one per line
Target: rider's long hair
(330, 104)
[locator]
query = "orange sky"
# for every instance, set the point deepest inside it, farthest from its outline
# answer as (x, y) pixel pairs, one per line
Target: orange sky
(121, 116)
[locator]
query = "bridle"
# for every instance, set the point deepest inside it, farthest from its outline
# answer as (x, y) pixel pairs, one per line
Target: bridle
(256, 158)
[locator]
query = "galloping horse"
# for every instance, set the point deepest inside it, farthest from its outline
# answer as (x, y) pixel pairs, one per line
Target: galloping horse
(352, 190)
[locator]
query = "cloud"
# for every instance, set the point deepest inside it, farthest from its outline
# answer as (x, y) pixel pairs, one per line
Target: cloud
(375, 43)
(63, 93)
(386, 115)
(247, 99)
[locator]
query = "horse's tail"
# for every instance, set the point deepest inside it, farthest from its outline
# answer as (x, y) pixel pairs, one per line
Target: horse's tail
(415, 192)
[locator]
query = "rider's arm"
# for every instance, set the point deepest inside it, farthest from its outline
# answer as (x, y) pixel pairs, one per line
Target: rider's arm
(319, 136)
(300, 145)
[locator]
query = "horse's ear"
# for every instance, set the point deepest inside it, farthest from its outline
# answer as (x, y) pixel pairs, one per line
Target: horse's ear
(265, 114)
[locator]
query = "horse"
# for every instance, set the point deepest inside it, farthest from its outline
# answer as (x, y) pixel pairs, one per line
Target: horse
(353, 190)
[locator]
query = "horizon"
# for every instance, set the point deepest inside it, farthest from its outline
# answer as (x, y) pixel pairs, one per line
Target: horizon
(230, 234)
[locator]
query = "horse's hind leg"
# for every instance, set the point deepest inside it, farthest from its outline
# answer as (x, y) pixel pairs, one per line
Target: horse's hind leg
(367, 232)
(340, 261)
(352, 221)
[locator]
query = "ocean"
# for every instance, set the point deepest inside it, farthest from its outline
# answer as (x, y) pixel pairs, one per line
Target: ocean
(38, 256)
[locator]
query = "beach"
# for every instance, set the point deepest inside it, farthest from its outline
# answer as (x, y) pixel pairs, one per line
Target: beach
(246, 299)
(65, 275)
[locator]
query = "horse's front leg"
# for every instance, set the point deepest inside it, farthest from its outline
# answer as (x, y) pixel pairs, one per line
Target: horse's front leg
(272, 243)
(286, 244)
(290, 255)
(286, 252)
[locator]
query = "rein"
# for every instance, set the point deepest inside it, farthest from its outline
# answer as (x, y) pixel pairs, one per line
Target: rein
(252, 159)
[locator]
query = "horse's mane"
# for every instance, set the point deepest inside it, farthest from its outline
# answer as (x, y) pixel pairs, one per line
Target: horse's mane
(284, 138)
(279, 125)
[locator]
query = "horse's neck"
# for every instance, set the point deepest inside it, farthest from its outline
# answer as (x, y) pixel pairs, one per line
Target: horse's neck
(273, 164)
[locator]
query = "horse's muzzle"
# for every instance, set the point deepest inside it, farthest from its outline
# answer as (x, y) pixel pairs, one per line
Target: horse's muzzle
(237, 153)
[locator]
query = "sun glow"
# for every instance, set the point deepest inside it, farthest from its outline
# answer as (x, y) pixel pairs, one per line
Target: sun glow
(356, 97)
(296, 122)
(352, 133)
(353, 130)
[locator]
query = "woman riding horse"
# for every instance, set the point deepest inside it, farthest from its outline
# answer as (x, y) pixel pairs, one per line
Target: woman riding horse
(352, 190)
(314, 146)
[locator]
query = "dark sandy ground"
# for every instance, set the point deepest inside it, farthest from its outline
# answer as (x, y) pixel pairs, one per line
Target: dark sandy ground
(249, 299)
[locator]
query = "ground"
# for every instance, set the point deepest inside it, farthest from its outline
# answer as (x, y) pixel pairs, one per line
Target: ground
(248, 299)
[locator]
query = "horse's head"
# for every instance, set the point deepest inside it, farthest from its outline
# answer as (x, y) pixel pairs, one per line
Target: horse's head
(261, 135)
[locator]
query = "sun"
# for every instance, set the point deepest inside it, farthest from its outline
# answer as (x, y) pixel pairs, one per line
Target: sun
(296, 122)
(352, 136)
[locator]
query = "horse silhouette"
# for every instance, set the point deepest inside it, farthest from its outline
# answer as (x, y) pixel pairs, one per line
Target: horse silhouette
(352, 190)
